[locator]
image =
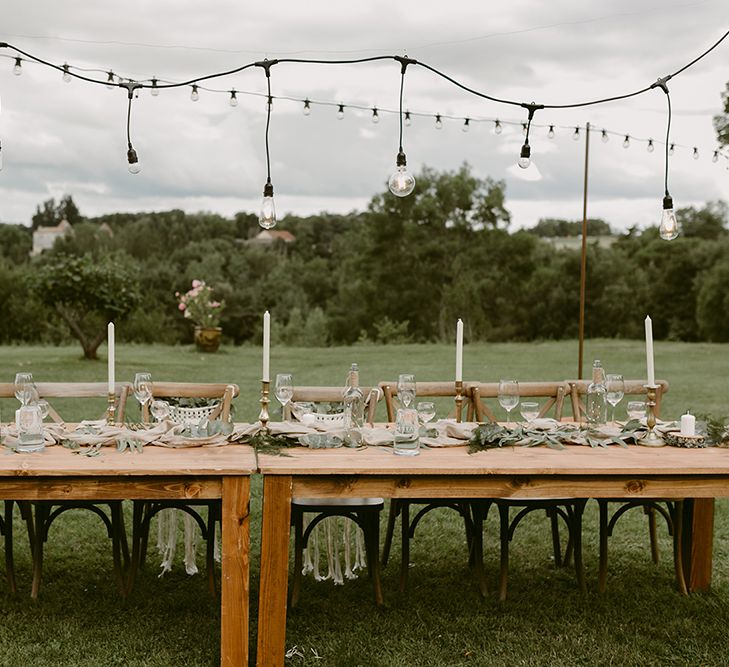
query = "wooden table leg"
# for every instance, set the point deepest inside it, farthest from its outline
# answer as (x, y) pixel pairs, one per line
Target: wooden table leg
(274, 570)
(234, 585)
(698, 539)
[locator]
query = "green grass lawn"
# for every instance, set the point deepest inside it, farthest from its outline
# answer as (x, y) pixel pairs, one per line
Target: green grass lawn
(641, 620)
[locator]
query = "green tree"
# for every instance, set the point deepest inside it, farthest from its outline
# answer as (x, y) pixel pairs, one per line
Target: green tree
(721, 121)
(50, 213)
(86, 293)
(708, 222)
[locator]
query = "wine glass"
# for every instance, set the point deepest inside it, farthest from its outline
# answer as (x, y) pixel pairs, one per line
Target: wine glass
(43, 407)
(406, 389)
(529, 410)
(160, 409)
(636, 409)
(23, 385)
(508, 395)
(426, 411)
(143, 388)
(615, 390)
(284, 389)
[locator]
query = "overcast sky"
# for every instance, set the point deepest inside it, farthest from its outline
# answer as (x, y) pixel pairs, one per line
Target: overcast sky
(60, 138)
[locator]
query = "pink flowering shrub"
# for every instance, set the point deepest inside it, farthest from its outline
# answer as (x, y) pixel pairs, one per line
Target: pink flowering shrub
(198, 305)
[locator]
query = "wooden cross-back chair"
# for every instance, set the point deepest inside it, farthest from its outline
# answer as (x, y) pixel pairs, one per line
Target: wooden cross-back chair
(670, 510)
(47, 511)
(401, 506)
(220, 400)
(554, 396)
(365, 512)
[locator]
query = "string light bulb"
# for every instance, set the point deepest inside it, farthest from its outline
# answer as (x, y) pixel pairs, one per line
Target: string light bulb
(650, 147)
(668, 229)
(340, 112)
(408, 121)
(154, 90)
(524, 160)
(110, 80)
(626, 141)
(604, 137)
(375, 116)
(497, 127)
(233, 101)
(438, 122)
(576, 134)
(715, 157)
(267, 217)
(672, 149)
(194, 95)
(402, 182)
(133, 160)
(466, 124)
(550, 133)
(66, 73)
(307, 107)
(18, 67)
(696, 153)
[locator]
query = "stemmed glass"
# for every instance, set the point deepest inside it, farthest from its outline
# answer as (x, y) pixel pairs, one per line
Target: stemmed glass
(24, 387)
(143, 388)
(529, 410)
(160, 410)
(615, 391)
(406, 389)
(508, 395)
(426, 411)
(284, 389)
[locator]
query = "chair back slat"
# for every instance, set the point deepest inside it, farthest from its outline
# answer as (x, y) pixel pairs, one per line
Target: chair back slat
(554, 394)
(318, 395)
(429, 390)
(208, 390)
(578, 391)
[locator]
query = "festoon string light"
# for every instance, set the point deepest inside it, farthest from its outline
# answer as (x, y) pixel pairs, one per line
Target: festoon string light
(401, 183)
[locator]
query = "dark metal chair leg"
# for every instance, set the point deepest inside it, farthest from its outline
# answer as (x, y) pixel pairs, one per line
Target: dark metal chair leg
(136, 555)
(297, 519)
(504, 542)
(405, 557)
(9, 560)
(602, 573)
(677, 518)
(651, 512)
(556, 546)
(42, 511)
(370, 526)
(576, 525)
(479, 511)
(117, 530)
(391, 516)
(210, 550)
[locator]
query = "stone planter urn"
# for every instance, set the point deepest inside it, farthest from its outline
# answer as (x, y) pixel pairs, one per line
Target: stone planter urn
(207, 339)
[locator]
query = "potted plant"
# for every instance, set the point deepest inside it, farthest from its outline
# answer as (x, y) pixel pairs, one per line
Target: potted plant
(198, 305)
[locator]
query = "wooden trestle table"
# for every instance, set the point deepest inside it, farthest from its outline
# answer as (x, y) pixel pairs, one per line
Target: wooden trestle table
(576, 472)
(159, 473)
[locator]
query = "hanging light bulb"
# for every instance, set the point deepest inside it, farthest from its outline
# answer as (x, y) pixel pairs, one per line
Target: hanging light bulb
(497, 127)
(194, 95)
(307, 107)
(340, 112)
(668, 228)
(18, 67)
(401, 182)
(233, 101)
(267, 217)
(672, 149)
(650, 147)
(550, 134)
(466, 124)
(438, 122)
(375, 116)
(408, 120)
(154, 90)
(525, 158)
(696, 153)
(524, 129)
(133, 160)
(626, 142)
(66, 73)
(576, 134)
(110, 80)
(715, 157)
(604, 137)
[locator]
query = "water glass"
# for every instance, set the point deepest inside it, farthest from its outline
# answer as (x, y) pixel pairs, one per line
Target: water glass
(529, 410)
(406, 389)
(508, 395)
(160, 409)
(426, 411)
(636, 409)
(29, 422)
(407, 442)
(44, 407)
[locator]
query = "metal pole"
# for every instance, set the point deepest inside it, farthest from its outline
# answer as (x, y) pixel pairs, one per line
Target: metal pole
(583, 258)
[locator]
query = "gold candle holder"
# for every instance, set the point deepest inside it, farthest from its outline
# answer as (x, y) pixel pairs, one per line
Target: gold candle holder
(110, 408)
(263, 416)
(651, 439)
(459, 400)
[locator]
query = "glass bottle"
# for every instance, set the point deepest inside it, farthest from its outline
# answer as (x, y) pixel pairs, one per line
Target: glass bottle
(596, 408)
(353, 400)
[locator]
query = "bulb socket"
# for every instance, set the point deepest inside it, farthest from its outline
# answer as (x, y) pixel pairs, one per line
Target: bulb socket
(667, 202)
(526, 151)
(401, 160)
(268, 189)
(132, 156)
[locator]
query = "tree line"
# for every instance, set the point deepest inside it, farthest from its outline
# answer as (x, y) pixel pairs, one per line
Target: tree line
(401, 270)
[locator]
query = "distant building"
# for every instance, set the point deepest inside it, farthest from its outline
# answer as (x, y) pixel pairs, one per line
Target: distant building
(270, 236)
(45, 237)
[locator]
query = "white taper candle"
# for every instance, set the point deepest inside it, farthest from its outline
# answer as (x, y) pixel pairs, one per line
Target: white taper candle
(266, 377)
(649, 350)
(112, 353)
(459, 350)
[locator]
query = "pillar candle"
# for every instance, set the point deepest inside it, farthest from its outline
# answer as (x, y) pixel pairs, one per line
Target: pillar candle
(649, 350)
(688, 424)
(266, 377)
(112, 353)
(459, 350)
